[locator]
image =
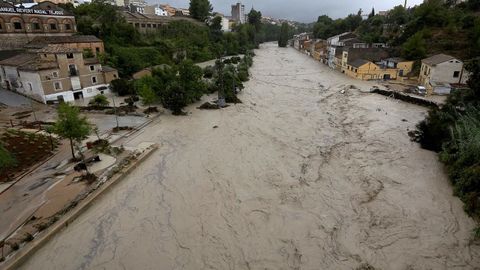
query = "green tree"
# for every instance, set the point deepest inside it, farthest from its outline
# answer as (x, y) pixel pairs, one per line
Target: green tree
(147, 95)
(255, 19)
(415, 48)
(175, 98)
(99, 100)
(71, 125)
(200, 9)
(6, 160)
(283, 38)
(122, 87)
(372, 14)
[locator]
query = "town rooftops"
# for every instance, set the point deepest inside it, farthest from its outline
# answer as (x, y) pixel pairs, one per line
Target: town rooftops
(89, 61)
(437, 59)
(39, 42)
(370, 54)
(358, 63)
(108, 69)
(18, 60)
(395, 60)
(57, 48)
(38, 64)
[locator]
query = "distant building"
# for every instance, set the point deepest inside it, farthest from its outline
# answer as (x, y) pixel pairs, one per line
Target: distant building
(20, 25)
(55, 1)
(169, 9)
(55, 73)
(300, 39)
(238, 13)
(146, 23)
(85, 43)
(333, 43)
(438, 72)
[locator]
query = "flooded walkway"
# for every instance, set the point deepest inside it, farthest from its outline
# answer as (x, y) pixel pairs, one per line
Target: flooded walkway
(299, 176)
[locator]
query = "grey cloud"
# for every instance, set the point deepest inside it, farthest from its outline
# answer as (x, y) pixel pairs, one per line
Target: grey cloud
(302, 10)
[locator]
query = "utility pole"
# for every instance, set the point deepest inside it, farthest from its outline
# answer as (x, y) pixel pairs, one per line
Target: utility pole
(115, 112)
(405, 6)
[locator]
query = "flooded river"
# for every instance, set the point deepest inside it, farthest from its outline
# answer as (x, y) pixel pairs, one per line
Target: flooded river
(299, 176)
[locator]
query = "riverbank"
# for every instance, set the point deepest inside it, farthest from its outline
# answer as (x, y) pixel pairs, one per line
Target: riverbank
(307, 173)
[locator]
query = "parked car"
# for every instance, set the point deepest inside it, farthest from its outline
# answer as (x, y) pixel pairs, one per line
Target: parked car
(420, 90)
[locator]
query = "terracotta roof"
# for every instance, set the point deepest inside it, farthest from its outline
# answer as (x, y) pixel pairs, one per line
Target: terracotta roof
(92, 60)
(358, 63)
(9, 54)
(39, 42)
(39, 64)
(18, 60)
(108, 69)
(437, 59)
(370, 54)
(57, 48)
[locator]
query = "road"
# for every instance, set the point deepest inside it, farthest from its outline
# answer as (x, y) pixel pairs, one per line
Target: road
(299, 176)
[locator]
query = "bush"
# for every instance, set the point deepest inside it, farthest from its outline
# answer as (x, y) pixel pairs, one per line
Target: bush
(99, 100)
(122, 87)
(462, 158)
(208, 72)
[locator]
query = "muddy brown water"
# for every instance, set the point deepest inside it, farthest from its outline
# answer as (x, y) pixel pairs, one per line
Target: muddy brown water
(299, 176)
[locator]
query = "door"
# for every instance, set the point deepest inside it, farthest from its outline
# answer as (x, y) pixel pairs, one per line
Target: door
(386, 76)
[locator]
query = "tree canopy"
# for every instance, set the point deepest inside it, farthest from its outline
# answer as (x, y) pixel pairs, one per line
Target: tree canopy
(71, 125)
(200, 9)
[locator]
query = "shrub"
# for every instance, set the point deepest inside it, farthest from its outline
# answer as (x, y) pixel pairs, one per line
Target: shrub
(122, 87)
(99, 100)
(208, 72)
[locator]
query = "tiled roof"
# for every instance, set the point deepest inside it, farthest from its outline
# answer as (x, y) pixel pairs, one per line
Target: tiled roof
(370, 54)
(39, 64)
(108, 69)
(40, 42)
(437, 59)
(18, 60)
(395, 59)
(57, 48)
(358, 63)
(92, 60)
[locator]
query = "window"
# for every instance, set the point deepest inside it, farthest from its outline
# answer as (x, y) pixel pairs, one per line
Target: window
(1, 26)
(149, 25)
(68, 26)
(92, 68)
(30, 87)
(456, 74)
(17, 25)
(36, 26)
(70, 55)
(143, 25)
(53, 26)
(115, 76)
(97, 49)
(94, 79)
(57, 85)
(73, 70)
(55, 74)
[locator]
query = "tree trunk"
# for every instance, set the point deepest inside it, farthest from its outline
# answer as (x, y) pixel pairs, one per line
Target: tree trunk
(71, 148)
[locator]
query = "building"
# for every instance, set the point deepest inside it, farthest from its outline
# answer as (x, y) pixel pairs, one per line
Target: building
(155, 10)
(55, 73)
(169, 9)
(333, 43)
(56, 1)
(300, 39)
(438, 72)
(20, 25)
(238, 13)
(374, 55)
(146, 23)
(319, 52)
(86, 43)
(225, 22)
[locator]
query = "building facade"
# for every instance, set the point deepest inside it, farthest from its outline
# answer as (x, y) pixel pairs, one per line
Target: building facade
(238, 13)
(439, 71)
(55, 73)
(20, 25)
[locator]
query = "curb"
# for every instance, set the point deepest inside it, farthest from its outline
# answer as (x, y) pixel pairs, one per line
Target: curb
(30, 248)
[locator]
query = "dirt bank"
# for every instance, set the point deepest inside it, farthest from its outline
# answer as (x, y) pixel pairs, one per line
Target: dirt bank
(299, 176)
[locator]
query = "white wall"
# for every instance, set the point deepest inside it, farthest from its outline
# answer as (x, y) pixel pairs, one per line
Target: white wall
(67, 96)
(93, 90)
(443, 72)
(33, 79)
(11, 75)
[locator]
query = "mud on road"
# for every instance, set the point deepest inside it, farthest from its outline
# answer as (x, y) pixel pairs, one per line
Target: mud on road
(299, 176)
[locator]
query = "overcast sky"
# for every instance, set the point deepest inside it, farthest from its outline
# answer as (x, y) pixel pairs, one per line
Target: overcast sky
(300, 10)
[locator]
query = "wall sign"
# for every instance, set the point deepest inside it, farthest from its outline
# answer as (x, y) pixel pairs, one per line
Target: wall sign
(30, 11)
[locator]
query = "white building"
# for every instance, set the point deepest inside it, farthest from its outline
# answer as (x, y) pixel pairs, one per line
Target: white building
(440, 71)
(238, 13)
(160, 11)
